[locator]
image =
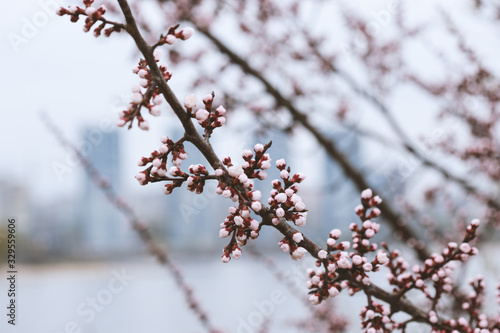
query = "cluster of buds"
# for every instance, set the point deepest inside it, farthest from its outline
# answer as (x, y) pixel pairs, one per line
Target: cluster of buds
(150, 98)
(238, 185)
(366, 211)
(478, 321)
(242, 226)
(157, 171)
(172, 35)
(375, 317)
(475, 302)
(241, 177)
(291, 245)
(196, 181)
(399, 275)
(340, 267)
(208, 119)
(438, 268)
(94, 15)
(284, 199)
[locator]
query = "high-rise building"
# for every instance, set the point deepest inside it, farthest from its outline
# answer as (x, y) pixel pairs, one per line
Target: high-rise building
(103, 230)
(337, 194)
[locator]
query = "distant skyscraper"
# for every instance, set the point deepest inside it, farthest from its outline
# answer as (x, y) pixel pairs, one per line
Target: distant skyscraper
(103, 230)
(338, 196)
(189, 220)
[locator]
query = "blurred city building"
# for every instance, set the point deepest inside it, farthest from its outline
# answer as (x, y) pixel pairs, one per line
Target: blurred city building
(101, 229)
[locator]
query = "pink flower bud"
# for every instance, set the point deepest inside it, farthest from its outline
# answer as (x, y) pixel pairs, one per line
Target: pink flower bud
(356, 260)
(202, 115)
(187, 33)
(376, 200)
(158, 54)
(220, 111)
(158, 100)
(465, 247)
(300, 206)
(335, 233)
(90, 11)
(256, 206)
(382, 258)
(254, 225)
(155, 111)
(280, 163)
(280, 198)
(330, 242)
(322, 254)
(170, 39)
(190, 101)
(299, 253)
(121, 122)
(144, 125)
(285, 247)
(300, 221)
(280, 212)
(236, 253)
(366, 194)
(297, 237)
(314, 299)
(333, 291)
(137, 98)
(256, 195)
(208, 98)
(475, 222)
(141, 177)
(345, 245)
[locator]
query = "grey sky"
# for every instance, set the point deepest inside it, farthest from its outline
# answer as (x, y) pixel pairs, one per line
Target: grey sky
(80, 80)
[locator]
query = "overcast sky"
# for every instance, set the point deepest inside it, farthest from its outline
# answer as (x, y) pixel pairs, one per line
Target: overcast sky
(80, 80)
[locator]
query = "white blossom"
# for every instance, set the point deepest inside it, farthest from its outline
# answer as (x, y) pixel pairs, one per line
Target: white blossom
(297, 237)
(322, 254)
(190, 101)
(366, 194)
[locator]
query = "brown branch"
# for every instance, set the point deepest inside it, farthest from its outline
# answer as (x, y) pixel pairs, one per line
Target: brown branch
(192, 135)
(390, 214)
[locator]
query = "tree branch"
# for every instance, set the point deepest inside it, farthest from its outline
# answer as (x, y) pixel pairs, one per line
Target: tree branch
(390, 214)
